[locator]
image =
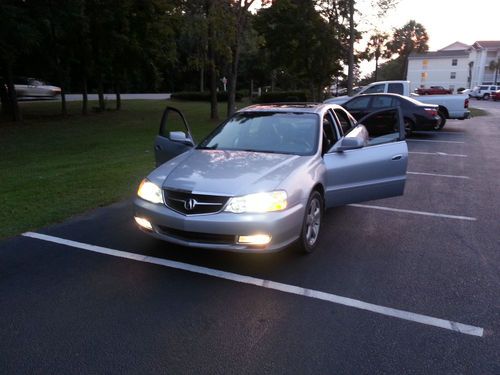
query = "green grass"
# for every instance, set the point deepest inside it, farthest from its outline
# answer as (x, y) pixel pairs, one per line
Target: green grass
(475, 112)
(52, 168)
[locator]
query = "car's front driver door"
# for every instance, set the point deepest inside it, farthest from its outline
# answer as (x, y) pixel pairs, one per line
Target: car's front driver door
(174, 137)
(368, 163)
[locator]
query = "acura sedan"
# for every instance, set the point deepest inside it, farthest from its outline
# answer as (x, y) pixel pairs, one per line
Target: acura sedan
(263, 178)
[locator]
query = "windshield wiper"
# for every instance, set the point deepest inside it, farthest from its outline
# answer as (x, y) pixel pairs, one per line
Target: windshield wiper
(214, 147)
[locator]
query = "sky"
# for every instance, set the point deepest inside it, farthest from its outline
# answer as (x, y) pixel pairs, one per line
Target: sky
(446, 21)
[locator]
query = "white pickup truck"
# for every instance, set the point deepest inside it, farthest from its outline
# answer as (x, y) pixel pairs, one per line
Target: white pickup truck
(450, 106)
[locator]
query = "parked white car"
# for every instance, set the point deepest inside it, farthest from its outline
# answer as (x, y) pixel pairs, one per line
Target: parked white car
(484, 91)
(31, 87)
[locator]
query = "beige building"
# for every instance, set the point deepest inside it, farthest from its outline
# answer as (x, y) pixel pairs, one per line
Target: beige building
(456, 66)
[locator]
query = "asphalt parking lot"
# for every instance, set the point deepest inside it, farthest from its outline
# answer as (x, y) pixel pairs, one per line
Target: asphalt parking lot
(406, 285)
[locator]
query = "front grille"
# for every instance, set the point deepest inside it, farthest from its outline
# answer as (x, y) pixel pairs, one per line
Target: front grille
(188, 203)
(226, 239)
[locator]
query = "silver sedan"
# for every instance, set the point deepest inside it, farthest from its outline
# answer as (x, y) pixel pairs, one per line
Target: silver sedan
(262, 179)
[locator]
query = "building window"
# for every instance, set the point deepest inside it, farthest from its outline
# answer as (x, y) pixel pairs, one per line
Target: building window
(454, 62)
(453, 75)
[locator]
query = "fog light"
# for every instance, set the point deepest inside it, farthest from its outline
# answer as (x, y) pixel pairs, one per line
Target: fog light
(257, 239)
(143, 223)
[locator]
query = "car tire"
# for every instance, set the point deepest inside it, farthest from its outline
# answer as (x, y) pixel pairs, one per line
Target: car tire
(442, 121)
(409, 127)
(486, 96)
(311, 225)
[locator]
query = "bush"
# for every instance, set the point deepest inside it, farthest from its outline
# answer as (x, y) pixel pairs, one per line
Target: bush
(203, 96)
(282, 96)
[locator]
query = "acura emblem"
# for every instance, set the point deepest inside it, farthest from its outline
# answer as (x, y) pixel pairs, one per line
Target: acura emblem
(190, 204)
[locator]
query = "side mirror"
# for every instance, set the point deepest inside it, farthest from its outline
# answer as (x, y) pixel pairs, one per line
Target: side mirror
(180, 137)
(349, 144)
(357, 138)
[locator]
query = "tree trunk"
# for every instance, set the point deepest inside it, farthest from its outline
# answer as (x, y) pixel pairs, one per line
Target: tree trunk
(85, 97)
(118, 97)
(202, 78)
(64, 107)
(376, 68)
(100, 94)
(214, 111)
(350, 71)
(233, 76)
(14, 105)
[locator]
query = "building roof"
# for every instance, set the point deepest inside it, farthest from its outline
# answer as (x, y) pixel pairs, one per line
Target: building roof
(440, 54)
(456, 46)
(490, 44)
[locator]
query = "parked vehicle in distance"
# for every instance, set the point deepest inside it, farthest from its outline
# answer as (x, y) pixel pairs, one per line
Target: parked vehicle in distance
(263, 178)
(31, 87)
(484, 91)
(465, 91)
(416, 115)
(495, 95)
(433, 90)
(450, 106)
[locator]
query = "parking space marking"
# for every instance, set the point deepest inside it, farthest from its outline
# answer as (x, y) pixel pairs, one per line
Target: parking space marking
(438, 175)
(433, 141)
(425, 213)
(268, 284)
(437, 153)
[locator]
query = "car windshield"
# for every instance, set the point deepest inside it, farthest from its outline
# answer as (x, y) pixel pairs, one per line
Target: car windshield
(271, 132)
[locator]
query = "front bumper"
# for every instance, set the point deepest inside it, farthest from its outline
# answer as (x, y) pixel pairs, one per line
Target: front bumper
(220, 231)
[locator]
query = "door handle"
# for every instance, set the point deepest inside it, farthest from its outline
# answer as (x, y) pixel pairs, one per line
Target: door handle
(397, 157)
(158, 147)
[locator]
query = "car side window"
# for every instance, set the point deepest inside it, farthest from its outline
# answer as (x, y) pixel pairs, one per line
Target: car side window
(379, 102)
(375, 89)
(382, 127)
(396, 88)
(357, 103)
(330, 136)
(345, 122)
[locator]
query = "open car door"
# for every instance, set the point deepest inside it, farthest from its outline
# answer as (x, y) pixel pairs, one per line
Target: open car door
(174, 137)
(370, 161)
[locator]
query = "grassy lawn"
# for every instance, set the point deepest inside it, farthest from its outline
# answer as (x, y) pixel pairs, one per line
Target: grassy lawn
(475, 112)
(52, 167)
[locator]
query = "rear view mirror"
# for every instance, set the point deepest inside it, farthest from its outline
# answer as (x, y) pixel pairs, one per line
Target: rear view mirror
(180, 137)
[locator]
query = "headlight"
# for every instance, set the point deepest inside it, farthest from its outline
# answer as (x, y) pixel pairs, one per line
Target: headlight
(260, 202)
(150, 192)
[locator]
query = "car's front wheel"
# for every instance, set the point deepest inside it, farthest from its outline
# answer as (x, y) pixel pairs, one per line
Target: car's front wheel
(311, 225)
(441, 122)
(486, 96)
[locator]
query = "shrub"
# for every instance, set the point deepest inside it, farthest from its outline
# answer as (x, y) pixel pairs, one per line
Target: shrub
(282, 96)
(202, 96)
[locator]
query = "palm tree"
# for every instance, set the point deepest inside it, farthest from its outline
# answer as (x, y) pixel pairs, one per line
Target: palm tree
(375, 47)
(495, 67)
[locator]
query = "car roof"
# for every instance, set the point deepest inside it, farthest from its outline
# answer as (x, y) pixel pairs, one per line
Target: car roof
(288, 107)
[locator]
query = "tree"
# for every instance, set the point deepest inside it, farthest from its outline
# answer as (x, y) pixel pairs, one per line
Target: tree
(495, 67)
(18, 36)
(375, 49)
(240, 17)
(298, 43)
(412, 37)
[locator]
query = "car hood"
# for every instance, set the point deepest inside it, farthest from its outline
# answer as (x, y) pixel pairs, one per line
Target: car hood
(229, 173)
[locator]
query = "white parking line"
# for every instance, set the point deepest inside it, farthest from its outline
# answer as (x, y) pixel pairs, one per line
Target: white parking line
(437, 153)
(438, 175)
(425, 213)
(433, 141)
(310, 293)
